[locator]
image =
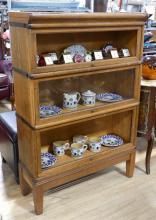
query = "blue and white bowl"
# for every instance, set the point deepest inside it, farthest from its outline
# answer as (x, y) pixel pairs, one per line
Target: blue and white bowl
(49, 110)
(109, 97)
(111, 140)
(47, 160)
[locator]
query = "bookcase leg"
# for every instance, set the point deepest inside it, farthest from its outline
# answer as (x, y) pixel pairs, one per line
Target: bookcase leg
(25, 188)
(130, 164)
(38, 199)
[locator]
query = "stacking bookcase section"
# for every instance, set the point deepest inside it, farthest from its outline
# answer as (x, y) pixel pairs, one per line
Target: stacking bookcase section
(42, 94)
(41, 34)
(77, 88)
(120, 123)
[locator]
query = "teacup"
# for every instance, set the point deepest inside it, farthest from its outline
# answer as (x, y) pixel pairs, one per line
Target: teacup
(70, 100)
(78, 149)
(59, 147)
(95, 144)
(80, 139)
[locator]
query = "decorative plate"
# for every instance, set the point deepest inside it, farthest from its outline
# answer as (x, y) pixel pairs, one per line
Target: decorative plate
(109, 97)
(49, 110)
(106, 48)
(76, 49)
(111, 140)
(47, 160)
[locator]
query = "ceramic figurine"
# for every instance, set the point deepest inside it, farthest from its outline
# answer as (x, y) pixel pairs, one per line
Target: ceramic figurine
(77, 149)
(59, 147)
(106, 50)
(80, 139)
(89, 97)
(70, 100)
(78, 58)
(95, 144)
(41, 61)
(109, 51)
(88, 57)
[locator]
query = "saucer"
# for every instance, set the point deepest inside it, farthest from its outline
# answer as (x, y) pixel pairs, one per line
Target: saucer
(47, 160)
(109, 97)
(49, 110)
(111, 140)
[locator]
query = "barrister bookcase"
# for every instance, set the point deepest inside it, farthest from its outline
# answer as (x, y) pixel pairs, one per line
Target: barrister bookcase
(36, 33)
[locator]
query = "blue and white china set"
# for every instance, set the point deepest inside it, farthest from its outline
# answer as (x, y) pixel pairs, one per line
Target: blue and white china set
(78, 147)
(71, 101)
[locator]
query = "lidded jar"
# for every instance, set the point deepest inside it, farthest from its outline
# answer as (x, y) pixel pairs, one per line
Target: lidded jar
(89, 97)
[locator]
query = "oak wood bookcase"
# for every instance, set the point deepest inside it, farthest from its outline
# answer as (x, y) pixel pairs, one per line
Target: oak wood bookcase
(35, 33)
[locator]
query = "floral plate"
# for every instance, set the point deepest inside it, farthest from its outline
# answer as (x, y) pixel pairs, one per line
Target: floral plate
(111, 140)
(49, 110)
(47, 160)
(109, 97)
(76, 49)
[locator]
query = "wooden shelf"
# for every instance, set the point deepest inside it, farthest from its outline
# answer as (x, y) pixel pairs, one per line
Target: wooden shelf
(67, 161)
(66, 69)
(84, 112)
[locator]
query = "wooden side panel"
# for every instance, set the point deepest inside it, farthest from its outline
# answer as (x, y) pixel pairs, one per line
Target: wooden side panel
(28, 147)
(23, 48)
(137, 81)
(24, 96)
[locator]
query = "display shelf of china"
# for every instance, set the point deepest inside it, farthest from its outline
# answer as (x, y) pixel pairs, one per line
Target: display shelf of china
(78, 148)
(82, 112)
(67, 159)
(54, 111)
(61, 85)
(78, 54)
(50, 93)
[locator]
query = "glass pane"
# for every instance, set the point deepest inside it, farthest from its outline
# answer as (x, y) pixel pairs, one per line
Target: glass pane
(64, 93)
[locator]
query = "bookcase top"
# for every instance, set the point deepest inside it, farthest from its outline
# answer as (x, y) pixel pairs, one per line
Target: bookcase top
(33, 20)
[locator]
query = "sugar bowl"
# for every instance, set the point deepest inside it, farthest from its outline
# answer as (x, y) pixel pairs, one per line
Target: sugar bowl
(89, 97)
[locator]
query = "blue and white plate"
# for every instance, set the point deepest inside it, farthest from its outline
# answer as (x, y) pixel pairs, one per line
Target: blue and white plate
(111, 140)
(76, 49)
(49, 110)
(47, 160)
(109, 97)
